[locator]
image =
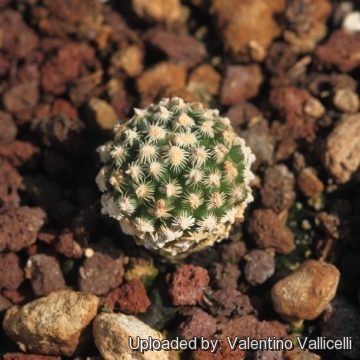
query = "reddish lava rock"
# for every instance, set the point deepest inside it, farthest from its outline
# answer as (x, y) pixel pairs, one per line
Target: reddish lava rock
(21, 356)
(19, 227)
(269, 232)
(197, 323)
(67, 246)
(226, 353)
(228, 302)
(340, 51)
(130, 298)
(259, 267)
(241, 83)
(10, 181)
(65, 66)
(250, 326)
(289, 101)
(8, 128)
(278, 192)
(11, 273)
(18, 40)
(223, 276)
(18, 152)
(103, 271)
(46, 275)
(181, 49)
(186, 284)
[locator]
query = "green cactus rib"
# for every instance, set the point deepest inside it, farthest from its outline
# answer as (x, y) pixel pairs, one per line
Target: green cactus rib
(176, 176)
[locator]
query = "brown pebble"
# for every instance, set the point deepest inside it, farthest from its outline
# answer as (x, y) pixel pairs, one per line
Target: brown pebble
(19, 227)
(278, 192)
(46, 275)
(186, 284)
(260, 266)
(346, 101)
(227, 302)
(10, 181)
(305, 293)
(8, 128)
(181, 49)
(309, 183)
(197, 323)
(269, 232)
(104, 271)
(11, 273)
(130, 298)
(241, 83)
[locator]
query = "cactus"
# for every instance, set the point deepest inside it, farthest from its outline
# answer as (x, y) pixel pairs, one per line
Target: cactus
(176, 176)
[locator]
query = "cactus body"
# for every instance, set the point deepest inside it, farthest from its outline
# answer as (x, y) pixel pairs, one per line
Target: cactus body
(176, 176)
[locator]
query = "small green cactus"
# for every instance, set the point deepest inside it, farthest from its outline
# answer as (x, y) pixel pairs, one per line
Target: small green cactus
(176, 176)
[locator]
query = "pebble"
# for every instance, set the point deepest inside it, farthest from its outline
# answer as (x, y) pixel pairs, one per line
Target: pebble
(260, 266)
(186, 284)
(351, 22)
(342, 149)
(309, 184)
(346, 101)
(305, 293)
(112, 332)
(269, 232)
(63, 315)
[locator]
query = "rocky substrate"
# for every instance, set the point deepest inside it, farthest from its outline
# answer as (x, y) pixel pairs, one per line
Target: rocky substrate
(284, 72)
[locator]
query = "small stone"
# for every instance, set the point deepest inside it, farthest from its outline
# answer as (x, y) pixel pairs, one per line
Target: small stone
(278, 192)
(46, 275)
(341, 318)
(247, 28)
(250, 326)
(103, 271)
(340, 52)
(62, 315)
(342, 149)
(268, 355)
(232, 252)
(309, 183)
(186, 284)
(4, 303)
(162, 11)
(159, 77)
(10, 181)
(197, 323)
(102, 113)
(313, 107)
(112, 333)
(19, 227)
(8, 128)
(11, 273)
(227, 302)
(204, 82)
(18, 152)
(129, 59)
(22, 356)
(260, 266)
(181, 49)
(351, 22)
(346, 101)
(241, 83)
(66, 245)
(130, 298)
(260, 140)
(305, 293)
(222, 276)
(226, 353)
(22, 97)
(298, 354)
(269, 232)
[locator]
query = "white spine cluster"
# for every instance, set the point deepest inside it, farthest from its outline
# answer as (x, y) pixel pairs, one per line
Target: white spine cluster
(176, 176)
